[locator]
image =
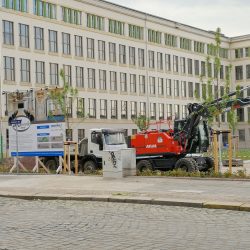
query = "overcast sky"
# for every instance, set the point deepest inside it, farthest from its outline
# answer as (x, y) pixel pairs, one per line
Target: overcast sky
(232, 16)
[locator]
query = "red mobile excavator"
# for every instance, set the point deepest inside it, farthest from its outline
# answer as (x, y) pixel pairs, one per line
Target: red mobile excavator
(182, 147)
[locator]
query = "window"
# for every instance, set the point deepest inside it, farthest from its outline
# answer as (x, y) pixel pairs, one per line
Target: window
(92, 108)
(103, 109)
(123, 82)
(66, 43)
(197, 90)
(101, 51)
(177, 111)
(42, 8)
(190, 66)
(54, 74)
(203, 68)
(133, 106)
(112, 52)
(24, 36)
(95, 22)
(116, 27)
(221, 72)
(183, 89)
(25, 70)
(39, 38)
(204, 91)
(209, 69)
(90, 48)
(142, 84)
(170, 40)
(53, 47)
(81, 134)
(240, 114)
(176, 88)
(132, 55)
(239, 72)
(19, 5)
(124, 109)
(152, 87)
(168, 62)
(175, 63)
(69, 135)
(161, 86)
(67, 74)
(247, 50)
(185, 43)
(40, 72)
(199, 47)
(113, 81)
(196, 67)
(8, 33)
(242, 135)
(190, 90)
(114, 109)
(122, 54)
(223, 53)
(151, 58)
(183, 65)
(71, 16)
(91, 78)
(169, 111)
(211, 50)
(161, 111)
(80, 107)
(168, 87)
(153, 111)
(9, 68)
(69, 107)
(143, 108)
(135, 31)
(132, 83)
(248, 71)
(154, 36)
(141, 58)
(159, 61)
(79, 77)
(102, 79)
(78, 46)
(239, 53)
(184, 111)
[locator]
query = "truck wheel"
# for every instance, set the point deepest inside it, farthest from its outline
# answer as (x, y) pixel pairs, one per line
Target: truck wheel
(89, 167)
(144, 165)
(187, 164)
(210, 163)
(51, 164)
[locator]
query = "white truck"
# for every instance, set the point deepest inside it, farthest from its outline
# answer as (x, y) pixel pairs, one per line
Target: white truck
(91, 149)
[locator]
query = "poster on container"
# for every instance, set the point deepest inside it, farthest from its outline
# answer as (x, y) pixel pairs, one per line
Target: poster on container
(44, 139)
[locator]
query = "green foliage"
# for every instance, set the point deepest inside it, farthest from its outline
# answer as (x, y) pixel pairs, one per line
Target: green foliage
(142, 122)
(61, 97)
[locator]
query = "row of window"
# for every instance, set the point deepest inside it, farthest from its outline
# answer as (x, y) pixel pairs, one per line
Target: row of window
(242, 52)
(114, 109)
(128, 82)
(239, 72)
(73, 16)
(135, 56)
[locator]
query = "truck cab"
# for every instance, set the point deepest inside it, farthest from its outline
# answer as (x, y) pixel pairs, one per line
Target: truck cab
(101, 139)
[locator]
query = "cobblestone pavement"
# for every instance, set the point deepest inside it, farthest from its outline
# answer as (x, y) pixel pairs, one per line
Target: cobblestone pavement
(96, 225)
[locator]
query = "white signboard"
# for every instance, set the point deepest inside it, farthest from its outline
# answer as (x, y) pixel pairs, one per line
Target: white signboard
(36, 139)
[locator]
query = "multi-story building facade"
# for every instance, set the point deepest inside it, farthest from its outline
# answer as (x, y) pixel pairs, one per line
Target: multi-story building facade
(124, 63)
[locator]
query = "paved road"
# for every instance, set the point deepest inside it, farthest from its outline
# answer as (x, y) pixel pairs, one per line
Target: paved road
(96, 225)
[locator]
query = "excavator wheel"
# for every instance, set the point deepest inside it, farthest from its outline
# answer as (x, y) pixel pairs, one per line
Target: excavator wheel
(89, 167)
(187, 164)
(210, 163)
(144, 165)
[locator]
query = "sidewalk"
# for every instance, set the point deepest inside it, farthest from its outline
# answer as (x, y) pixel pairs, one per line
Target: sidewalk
(226, 194)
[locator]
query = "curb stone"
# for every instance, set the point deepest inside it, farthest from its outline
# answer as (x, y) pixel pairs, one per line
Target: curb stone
(236, 206)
